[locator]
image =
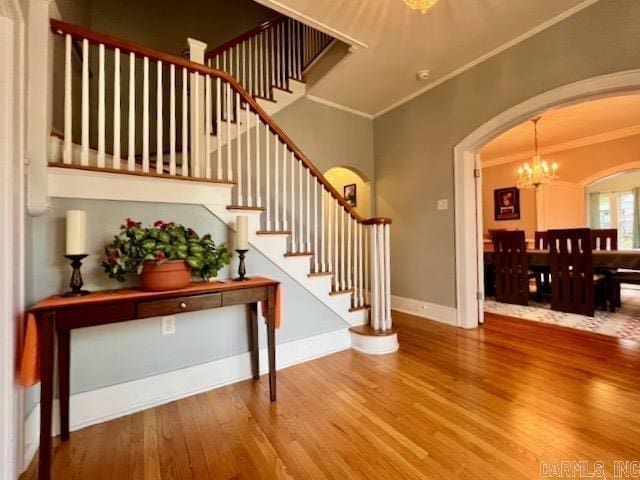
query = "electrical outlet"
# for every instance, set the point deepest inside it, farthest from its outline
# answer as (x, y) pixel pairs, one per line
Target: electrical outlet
(169, 325)
(443, 204)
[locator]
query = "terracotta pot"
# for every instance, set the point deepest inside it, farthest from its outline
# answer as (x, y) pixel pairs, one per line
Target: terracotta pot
(171, 275)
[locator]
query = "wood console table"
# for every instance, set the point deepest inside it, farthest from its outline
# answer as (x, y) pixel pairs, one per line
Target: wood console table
(59, 315)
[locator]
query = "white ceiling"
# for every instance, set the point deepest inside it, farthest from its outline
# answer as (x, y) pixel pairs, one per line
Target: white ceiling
(400, 42)
(605, 118)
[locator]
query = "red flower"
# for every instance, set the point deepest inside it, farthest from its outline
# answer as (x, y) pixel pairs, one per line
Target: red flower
(131, 223)
(160, 256)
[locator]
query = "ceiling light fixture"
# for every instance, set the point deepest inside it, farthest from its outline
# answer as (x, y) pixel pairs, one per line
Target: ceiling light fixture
(422, 5)
(534, 175)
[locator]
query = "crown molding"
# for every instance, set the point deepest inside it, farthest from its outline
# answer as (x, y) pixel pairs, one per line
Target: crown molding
(301, 17)
(339, 107)
(543, 26)
(561, 147)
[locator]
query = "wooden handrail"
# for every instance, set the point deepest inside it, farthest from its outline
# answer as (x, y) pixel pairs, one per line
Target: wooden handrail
(80, 33)
(245, 36)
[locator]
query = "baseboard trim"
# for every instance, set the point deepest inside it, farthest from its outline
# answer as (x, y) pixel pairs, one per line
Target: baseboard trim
(103, 404)
(432, 311)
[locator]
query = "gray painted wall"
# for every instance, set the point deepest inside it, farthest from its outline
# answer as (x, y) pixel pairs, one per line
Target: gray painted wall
(414, 142)
(328, 136)
(113, 354)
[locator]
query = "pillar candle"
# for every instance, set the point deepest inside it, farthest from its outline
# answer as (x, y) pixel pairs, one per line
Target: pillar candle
(76, 232)
(242, 231)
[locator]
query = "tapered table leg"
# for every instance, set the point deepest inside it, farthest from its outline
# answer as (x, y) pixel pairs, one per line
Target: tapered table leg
(63, 381)
(47, 322)
(271, 341)
(252, 329)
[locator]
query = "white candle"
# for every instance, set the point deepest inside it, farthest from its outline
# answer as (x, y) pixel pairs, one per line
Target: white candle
(76, 232)
(242, 232)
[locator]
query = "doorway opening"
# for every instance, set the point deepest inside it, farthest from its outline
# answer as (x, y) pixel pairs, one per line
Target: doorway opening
(354, 186)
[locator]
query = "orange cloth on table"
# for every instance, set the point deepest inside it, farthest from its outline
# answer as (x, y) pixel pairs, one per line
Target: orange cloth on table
(30, 365)
(277, 307)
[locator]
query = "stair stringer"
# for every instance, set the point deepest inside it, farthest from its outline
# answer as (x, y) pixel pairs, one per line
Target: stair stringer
(298, 268)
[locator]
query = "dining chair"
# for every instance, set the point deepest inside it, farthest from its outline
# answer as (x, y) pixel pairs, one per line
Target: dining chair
(607, 239)
(511, 267)
(543, 274)
(573, 282)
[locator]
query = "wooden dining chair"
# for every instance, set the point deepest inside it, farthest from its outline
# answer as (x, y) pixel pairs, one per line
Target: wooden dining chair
(573, 282)
(543, 274)
(607, 239)
(511, 267)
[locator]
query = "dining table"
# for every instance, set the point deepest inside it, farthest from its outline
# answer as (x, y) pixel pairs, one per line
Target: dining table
(625, 259)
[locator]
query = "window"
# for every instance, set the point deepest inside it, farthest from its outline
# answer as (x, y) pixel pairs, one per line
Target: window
(615, 210)
(604, 210)
(625, 220)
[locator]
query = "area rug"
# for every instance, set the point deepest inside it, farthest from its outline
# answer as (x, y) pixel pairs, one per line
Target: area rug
(624, 323)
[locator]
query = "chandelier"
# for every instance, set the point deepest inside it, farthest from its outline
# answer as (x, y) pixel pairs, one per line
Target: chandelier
(422, 5)
(539, 172)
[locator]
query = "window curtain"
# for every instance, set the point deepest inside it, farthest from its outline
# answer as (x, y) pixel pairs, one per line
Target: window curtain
(636, 217)
(594, 209)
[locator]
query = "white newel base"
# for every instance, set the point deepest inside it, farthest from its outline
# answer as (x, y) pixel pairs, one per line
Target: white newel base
(374, 344)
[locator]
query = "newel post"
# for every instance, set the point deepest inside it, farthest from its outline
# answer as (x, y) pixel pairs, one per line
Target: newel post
(39, 107)
(198, 135)
(380, 262)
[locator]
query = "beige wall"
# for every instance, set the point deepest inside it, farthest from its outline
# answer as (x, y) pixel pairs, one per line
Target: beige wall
(414, 142)
(328, 136)
(339, 177)
(576, 165)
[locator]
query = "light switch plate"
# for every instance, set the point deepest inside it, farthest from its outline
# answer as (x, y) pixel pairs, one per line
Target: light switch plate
(443, 204)
(169, 325)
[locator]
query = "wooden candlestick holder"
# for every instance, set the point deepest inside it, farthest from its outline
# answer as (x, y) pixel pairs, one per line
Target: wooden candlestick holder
(241, 267)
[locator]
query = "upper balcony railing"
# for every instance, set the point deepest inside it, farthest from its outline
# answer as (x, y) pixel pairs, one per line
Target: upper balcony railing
(267, 56)
(199, 123)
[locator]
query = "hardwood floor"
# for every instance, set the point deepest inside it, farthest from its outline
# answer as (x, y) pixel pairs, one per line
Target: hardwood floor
(490, 403)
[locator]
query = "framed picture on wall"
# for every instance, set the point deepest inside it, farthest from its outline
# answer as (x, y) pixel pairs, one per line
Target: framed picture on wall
(506, 203)
(350, 195)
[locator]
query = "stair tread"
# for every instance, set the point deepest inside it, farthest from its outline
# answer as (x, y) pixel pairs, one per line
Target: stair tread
(299, 254)
(265, 98)
(320, 274)
(273, 232)
(362, 307)
(243, 207)
(341, 292)
(368, 331)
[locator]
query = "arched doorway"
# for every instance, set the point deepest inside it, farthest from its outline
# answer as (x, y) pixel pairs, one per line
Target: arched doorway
(354, 186)
(468, 200)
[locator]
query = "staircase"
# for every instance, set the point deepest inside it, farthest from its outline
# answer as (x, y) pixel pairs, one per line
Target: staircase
(212, 126)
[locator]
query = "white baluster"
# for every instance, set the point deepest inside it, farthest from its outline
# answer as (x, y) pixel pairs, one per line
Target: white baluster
(250, 61)
(131, 161)
(343, 283)
(276, 183)
(238, 152)
(172, 120)
(228, 122)
(67, 156)
(367, 263)
(185, 125)
(316, 225)
(375, 280)
(207, 127)
(260, 65)
(196, 128)
(159, 126)
(267, 175)
(308, 210)
(101, 107)
(336, 252)
(258, 182)
(237, 75)
(349, 258)
(382, 296)
(244, 66)
(361, 261)
(301, 205)
(249, 161)
(294, 234)
(356, 265)
(323, 222)
(387, 273)
(274, 60)
(116, 109)
(218, 128)
(145, 115)
(84, 153)
(285, 222)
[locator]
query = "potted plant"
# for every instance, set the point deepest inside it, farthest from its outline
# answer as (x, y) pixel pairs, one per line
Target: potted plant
(165, 255)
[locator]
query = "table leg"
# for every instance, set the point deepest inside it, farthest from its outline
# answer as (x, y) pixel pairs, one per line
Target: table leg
(252, 330)
(271, 341)
(46, 394)
(63, 381)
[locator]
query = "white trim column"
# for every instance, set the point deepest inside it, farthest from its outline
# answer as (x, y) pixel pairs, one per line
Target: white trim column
(11, 233)
(198, 136)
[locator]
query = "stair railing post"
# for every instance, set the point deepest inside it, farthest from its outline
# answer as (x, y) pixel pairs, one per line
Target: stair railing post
(198, 135)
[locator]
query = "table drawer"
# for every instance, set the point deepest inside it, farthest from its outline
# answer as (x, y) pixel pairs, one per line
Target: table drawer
(171, 306)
